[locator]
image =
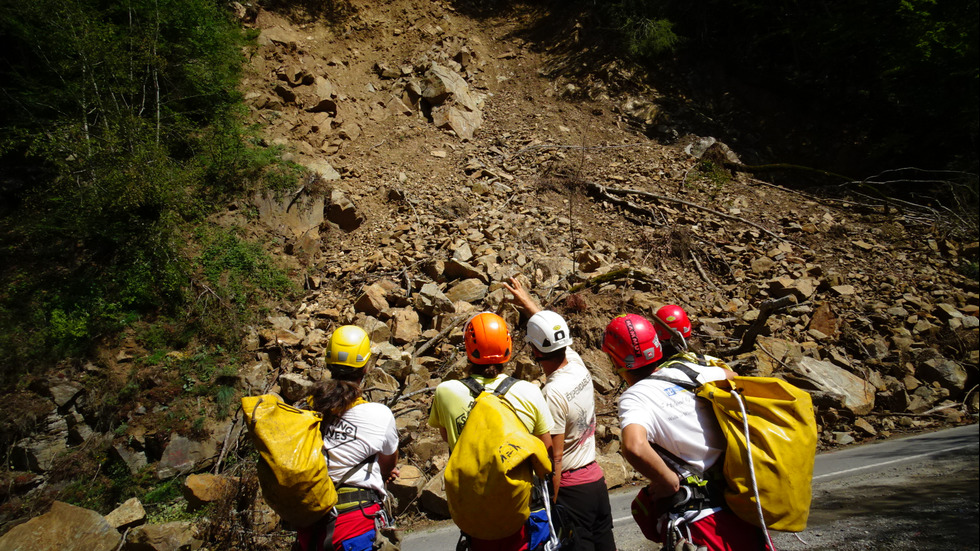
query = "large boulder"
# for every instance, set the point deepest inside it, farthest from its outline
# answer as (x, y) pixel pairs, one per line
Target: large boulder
(171, 536)
(65, 528)
(183, 455)
(407, 487)
(127, 515)
(433, 498)
(832, 386)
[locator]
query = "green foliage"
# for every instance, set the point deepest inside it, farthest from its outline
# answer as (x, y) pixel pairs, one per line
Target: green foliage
(120, 124)
(239, 268)
(716, 176)
(166, 492)
(650, 37)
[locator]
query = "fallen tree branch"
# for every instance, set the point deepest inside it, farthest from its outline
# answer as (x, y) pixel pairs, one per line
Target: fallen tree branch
(755, 169)
(627, 205)
(581, 147)
(766, 309)
(702, 273)
(442, 334)
(606, 278)
(603, 191)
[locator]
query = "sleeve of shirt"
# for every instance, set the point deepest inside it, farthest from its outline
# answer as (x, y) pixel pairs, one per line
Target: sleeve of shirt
(543, 422)
(437, 411)
(558, 407)
(390, 444)
(631, 411)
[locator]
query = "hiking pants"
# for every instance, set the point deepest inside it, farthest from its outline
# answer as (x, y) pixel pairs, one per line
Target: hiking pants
(353, 530)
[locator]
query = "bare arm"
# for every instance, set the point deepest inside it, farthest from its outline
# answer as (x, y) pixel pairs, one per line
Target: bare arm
(640, 454)
(387, 464)
(521, 296)
(558, 441)
(546, 438)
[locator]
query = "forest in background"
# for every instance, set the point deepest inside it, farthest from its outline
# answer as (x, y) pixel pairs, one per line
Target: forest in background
(121, 131)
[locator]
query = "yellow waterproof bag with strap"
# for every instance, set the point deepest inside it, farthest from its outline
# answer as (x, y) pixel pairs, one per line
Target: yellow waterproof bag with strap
(292, 469)
(490, 472)
(777, 457)
(782, 431)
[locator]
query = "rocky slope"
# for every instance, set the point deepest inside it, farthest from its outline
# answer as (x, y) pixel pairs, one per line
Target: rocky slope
(451, 151)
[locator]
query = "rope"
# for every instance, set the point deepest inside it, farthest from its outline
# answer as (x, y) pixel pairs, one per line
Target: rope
(748, 450)
(553, 543)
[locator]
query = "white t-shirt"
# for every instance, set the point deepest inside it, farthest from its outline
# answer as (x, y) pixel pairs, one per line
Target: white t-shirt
(571, 400)
(674, 418)
(362, 431)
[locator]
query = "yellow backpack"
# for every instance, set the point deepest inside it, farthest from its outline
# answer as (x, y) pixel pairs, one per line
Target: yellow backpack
(490, 471)
(782, 437)
(292, 469)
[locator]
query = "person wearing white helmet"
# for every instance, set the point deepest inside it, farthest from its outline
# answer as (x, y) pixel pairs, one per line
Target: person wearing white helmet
(579, 484)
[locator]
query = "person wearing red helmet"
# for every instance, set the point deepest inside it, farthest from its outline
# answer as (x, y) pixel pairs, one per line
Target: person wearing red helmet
(674, 316)
(488, 348)
(672, 438)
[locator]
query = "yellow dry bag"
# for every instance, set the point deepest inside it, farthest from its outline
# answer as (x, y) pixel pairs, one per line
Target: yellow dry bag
(292, 469)
(782, 437)
(490, 472)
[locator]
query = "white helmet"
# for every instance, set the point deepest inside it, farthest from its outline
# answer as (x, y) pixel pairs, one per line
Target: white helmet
(548, 332)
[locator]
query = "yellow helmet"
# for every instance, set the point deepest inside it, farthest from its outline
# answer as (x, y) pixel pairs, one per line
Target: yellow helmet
(349, 345)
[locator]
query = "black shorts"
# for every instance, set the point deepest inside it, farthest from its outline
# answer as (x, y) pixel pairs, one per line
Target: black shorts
(586, 506)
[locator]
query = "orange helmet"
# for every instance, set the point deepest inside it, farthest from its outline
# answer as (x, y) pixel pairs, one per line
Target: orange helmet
(487, 339)
(675, 317)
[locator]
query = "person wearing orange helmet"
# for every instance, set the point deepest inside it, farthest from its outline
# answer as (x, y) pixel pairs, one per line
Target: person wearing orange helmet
(673, 439)
(488, 349)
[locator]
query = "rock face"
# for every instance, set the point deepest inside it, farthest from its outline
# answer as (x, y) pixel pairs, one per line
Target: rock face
(64, 527)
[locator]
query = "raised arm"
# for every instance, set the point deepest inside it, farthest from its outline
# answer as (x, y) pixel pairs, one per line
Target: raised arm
(521, 296)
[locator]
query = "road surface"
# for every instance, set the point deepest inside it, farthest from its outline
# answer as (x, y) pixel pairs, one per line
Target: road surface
(919, 492)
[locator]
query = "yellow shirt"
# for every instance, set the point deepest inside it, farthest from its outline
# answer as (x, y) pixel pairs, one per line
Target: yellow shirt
(453, 401)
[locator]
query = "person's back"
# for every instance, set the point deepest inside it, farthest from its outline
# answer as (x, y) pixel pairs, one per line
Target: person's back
(488, 348)
(579, 485)
(669, 436)
(453, 401)
(360, 441)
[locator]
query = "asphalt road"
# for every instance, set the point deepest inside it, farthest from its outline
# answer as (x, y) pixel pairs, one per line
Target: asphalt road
(913, 493)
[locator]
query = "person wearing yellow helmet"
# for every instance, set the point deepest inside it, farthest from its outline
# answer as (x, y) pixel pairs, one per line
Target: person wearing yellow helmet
(360, 441)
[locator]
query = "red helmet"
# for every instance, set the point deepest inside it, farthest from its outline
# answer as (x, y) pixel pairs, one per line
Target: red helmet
(676, 317)
(631, 341)
(487, 339)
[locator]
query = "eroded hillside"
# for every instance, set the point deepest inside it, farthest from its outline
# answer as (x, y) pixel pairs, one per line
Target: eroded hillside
(450, 151)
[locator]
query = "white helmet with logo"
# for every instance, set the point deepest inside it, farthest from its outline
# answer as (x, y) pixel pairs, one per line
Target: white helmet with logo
(548, 332)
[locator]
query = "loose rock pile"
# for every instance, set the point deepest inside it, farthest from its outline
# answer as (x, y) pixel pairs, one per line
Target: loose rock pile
(444, 166)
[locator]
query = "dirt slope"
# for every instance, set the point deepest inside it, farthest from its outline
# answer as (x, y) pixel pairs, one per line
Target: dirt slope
(550, 159)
